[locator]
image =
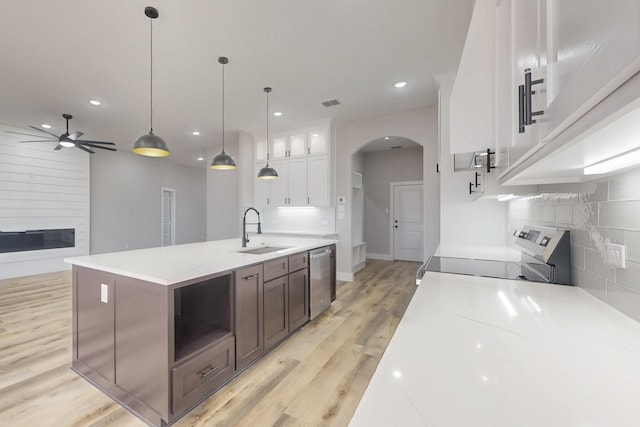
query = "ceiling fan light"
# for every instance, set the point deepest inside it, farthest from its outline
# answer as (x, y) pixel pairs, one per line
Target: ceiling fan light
(67, 144)
(267, 172)
(223, 162)
(151, 145)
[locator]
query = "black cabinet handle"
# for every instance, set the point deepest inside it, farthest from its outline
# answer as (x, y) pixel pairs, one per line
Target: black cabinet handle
(477, 175)
(528, 92)
(521, 109)
(253, 276)
(471, 188)
(489, 154)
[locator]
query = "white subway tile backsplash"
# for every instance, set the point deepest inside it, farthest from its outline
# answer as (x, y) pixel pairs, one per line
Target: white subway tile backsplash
(597, 213)
(632, 241)
(594, 263)
(624, 299)
(564, 214)
(629, 275)
(625, 186)
(620, 214)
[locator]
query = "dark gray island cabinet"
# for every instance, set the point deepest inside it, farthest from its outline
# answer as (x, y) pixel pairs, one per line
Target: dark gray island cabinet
(159, 350)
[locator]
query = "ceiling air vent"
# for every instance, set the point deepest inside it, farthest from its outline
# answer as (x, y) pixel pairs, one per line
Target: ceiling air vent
(331, 103)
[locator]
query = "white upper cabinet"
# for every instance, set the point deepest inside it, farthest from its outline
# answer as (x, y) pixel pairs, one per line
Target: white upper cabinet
(279, 147)
(260, 151)
(471, 110)
(528, 35)
(301, 158)
(318, 141)
(593, 48)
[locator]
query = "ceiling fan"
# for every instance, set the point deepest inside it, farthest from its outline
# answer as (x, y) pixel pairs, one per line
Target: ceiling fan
(67, 139)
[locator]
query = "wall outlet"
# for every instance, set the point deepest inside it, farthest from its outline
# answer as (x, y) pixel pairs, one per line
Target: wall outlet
(616, 255)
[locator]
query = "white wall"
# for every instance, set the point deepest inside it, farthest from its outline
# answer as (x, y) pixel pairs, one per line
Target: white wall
(419, 125)
(223, 196)
(380, 170)
(126, 201)
(465, 223)
(41, 188)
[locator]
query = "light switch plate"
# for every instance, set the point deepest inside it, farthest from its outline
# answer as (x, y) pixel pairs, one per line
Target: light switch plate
(104, 293)
(616, 255)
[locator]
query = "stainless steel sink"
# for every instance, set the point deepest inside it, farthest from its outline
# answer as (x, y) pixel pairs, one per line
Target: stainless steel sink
(261, 250)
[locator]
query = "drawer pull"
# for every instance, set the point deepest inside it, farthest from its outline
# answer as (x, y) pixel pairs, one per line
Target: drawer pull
(253, 276)
(208, 371)
(283, 266)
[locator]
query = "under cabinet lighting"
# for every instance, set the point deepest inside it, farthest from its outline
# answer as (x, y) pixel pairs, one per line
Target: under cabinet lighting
(506, 197)
(621, 161)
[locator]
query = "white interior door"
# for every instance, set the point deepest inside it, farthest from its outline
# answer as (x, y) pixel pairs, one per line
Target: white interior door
(407, 222)
(168, 217)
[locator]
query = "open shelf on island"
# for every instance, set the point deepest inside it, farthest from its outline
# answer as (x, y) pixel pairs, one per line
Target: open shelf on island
(202, 315)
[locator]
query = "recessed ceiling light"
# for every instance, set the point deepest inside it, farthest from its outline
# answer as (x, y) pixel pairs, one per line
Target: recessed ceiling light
(195, 132)
(386, 137)
(315, 135)
(200, 158)
(94, 102)
(46, 126)
(400, 84)
(277, 113)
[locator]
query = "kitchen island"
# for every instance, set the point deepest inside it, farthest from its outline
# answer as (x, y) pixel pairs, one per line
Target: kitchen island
(476, 351)
(160, 329)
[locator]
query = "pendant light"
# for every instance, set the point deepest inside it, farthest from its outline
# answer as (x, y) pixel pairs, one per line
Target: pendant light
(151, 145)
(223, 161)
(267, 172)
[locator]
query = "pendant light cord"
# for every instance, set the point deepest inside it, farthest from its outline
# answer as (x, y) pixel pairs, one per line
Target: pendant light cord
(268, 126)
(223, 108)
(151, 85)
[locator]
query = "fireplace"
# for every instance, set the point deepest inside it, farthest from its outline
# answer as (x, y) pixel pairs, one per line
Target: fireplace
(34, 240)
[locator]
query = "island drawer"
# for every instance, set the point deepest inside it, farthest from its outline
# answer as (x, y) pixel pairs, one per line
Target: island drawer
(276, 268)
(198, 377)
(298, 261)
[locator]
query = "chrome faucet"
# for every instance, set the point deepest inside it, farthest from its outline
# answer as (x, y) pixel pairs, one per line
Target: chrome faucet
(245, 236)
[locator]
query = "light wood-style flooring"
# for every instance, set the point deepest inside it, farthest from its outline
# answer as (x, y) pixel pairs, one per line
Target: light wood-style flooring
(314, 378)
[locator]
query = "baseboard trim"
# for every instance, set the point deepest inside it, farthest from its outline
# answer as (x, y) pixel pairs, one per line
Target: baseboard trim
(345, 277)
(383, 257)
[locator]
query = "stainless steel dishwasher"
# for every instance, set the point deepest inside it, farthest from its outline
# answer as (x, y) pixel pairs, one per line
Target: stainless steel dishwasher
(320, 280)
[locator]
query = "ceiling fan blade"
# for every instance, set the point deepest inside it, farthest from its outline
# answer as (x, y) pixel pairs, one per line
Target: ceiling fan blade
(85, 141)
(44, 131)
(58, 147)
(97, 146)
(28, 134)
(85, 149)
(41, 140)
(75, 135)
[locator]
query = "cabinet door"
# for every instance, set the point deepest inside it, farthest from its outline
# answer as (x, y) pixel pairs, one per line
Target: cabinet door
(276, 311)
(504, 87)
(279, 147)
(529, 49)
(298, 182)
(279, 186)
(261, 188)
(249, 315)
(298, 299)
(260, 153)
(298, 144)
(318, 180)
(95, 331)
(593, 48)
(318, 141)
(471, 113)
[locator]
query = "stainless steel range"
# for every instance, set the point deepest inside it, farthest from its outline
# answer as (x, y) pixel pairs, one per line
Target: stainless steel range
(544, 258)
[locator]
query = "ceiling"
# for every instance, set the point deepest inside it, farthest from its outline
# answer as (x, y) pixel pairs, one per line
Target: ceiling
(58, 55)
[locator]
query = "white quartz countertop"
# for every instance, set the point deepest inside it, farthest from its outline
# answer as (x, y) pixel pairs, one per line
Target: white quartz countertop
(476, 351)
(168, 265)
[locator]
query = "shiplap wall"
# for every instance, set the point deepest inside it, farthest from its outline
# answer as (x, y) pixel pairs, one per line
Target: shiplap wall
(42, 189)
